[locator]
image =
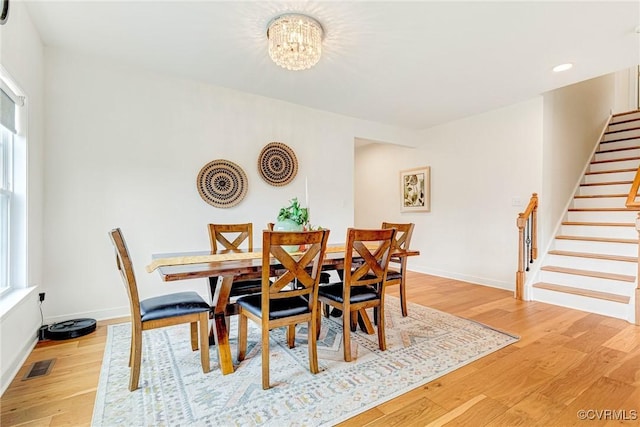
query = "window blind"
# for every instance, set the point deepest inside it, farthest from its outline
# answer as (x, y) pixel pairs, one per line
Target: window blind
(8, 102)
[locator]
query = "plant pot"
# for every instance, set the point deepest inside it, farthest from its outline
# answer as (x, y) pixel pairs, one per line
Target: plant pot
(288, 225)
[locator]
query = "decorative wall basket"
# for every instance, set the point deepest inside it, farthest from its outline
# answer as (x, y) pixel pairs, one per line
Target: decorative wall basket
(277, 164)
(222, 183)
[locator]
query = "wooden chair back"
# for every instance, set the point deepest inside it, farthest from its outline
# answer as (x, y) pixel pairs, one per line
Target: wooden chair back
(303, 268)
(398, 264)
(125, 267)
(403, 235)
(230, 236)
(372, 269)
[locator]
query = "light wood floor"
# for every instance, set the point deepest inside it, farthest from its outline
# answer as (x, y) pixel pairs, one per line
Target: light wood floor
(566, 361)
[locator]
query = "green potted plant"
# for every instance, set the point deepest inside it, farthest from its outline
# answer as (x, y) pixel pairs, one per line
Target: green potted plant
(292, 217)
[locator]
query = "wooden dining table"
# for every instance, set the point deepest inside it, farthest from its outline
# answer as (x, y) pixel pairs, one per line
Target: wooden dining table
(231, 266)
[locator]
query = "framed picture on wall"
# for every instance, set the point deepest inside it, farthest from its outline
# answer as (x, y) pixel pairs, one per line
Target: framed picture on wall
(415, 190)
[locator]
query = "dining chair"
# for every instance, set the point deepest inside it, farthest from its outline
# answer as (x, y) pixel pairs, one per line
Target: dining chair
(158, 312)
(280, 304)
(398, 265)
(233, 237)
(325, 277)
(363, 283)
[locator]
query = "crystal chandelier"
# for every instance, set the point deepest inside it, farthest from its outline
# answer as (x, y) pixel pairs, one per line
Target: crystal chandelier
(295, 41)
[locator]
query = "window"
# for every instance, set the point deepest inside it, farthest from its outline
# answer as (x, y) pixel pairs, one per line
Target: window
(12, 187)
(6, 192)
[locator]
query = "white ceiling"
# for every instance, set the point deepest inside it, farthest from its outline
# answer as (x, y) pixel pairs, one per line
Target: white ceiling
(411, 64)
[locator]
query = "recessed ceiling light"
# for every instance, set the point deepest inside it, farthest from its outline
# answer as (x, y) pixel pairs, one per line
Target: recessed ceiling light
(562, 67)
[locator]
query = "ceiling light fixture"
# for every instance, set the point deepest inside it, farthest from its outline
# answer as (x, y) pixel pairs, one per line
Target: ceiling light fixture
(295, 41)
(562, 67)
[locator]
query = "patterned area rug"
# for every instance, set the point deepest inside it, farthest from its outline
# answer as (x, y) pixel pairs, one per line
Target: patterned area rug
(173, 390)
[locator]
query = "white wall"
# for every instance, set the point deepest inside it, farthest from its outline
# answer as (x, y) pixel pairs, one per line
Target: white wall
(22, 57)
(124, 148)
(478, 165)
(574, 117)
(626, 89)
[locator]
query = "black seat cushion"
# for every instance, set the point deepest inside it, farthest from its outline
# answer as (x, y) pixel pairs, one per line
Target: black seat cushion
(278, 308)
(394, 275)
(358, 293)
(172, 305)
(246, 287)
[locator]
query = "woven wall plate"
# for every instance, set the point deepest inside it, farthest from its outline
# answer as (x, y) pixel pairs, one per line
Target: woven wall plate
(277, 164)
(222, 183)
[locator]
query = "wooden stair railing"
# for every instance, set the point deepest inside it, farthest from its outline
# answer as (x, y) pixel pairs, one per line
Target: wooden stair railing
(527, 223)
(633, 192)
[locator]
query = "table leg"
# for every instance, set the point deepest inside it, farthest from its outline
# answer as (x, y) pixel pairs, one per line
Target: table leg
(220, 300)
(364, 322)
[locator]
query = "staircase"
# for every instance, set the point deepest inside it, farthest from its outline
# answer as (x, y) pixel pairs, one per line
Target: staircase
(594, 258)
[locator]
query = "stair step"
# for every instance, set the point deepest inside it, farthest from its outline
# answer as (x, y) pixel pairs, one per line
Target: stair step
(600, 224)
(613, 164)
(617, 153)
(605, 146)
(595, 196)
(598, 239)
(621, 159)
(623, 130)
(623, 124)
(607, 183)
(596, 176)
(583, 292)
(611, 171)
(620, 209)
(610, 201)
(627, 115)
(590, 273)
(603, 209)
(614, 150)
(595, 256)
(621, 135)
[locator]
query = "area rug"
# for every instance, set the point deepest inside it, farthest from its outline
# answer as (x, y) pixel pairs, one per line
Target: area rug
(173, 390)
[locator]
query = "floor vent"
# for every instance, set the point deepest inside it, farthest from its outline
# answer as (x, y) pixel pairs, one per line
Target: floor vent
(39, 369)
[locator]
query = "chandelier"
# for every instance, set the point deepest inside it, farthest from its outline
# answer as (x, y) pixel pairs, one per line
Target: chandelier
(295, 41)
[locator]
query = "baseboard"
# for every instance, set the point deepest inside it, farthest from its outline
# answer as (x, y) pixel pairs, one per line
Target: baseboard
(465, 278)
(109, 313)
(9, 374)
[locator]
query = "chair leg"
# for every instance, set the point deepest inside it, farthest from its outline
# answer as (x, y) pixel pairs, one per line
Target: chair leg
(318, 319)
(382, 339)
(326, 309)
(291, 336)
(194, 336)
(313, 347)
(354, 320)
(204, 342)
(136, 356)
(242, 337)
(403, 297)
(346, 337)
(265, 357)
(132, 345)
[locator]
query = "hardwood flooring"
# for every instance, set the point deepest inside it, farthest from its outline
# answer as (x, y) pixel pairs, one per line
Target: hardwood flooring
(566, 361)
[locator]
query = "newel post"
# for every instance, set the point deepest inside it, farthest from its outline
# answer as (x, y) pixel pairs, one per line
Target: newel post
(520, 222)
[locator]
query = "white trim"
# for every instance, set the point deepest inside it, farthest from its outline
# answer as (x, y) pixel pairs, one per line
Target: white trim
(109, 313)
(13, 92)
(507, 286)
